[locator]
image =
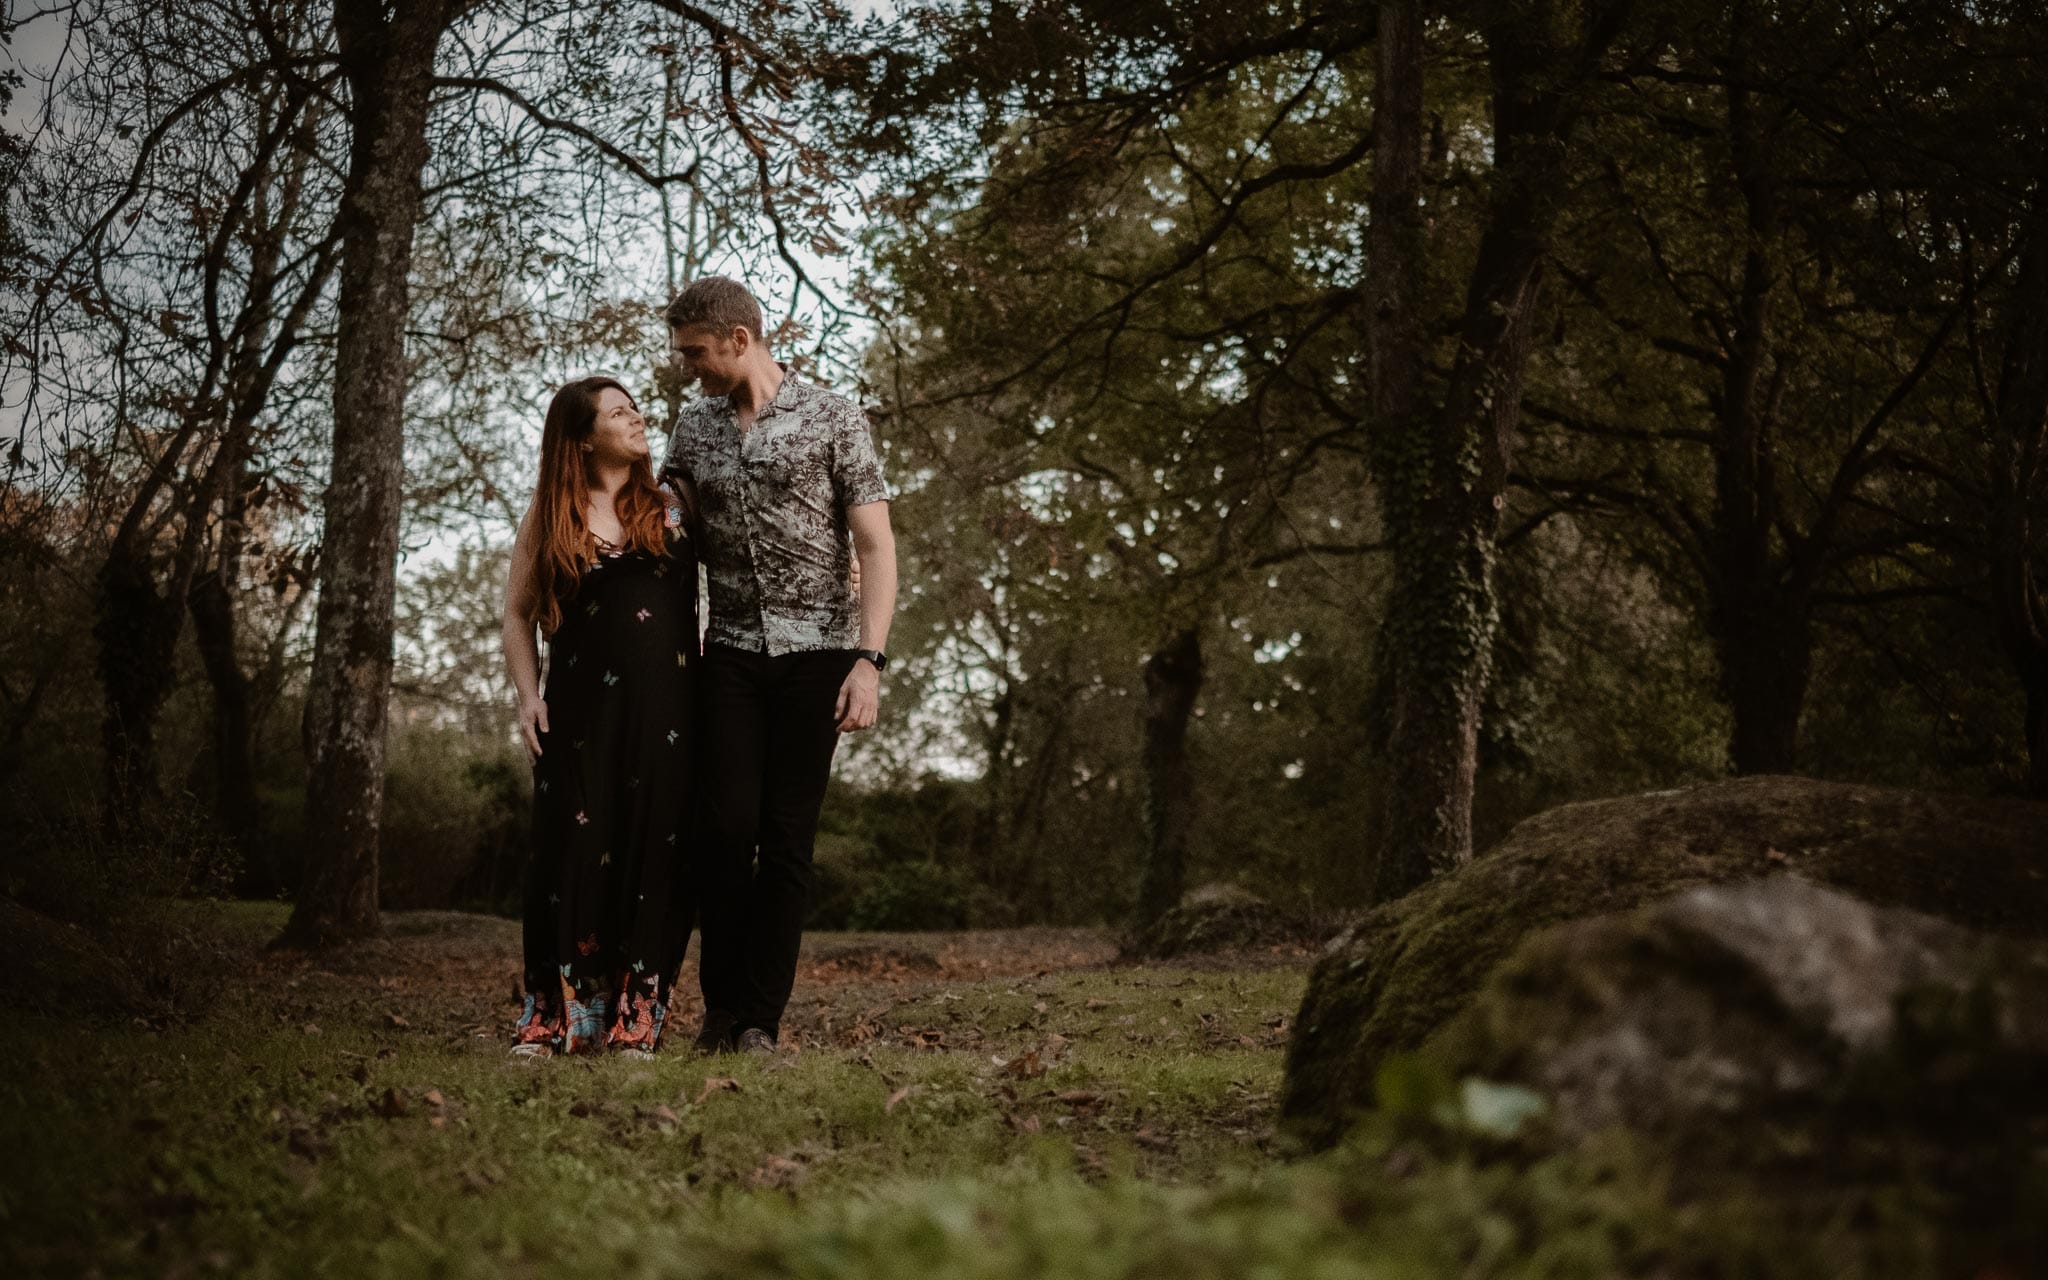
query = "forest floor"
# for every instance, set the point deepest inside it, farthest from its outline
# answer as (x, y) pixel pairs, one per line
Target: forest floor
(983, 1104)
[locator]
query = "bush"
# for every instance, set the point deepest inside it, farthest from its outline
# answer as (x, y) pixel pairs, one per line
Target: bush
(67, 862)
(837, 877)
(455, 810)
(907, 896)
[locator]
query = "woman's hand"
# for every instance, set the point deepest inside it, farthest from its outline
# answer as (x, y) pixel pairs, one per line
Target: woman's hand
(533, 722)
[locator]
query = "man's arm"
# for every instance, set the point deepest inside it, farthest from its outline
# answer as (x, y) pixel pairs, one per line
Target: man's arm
(861, 695)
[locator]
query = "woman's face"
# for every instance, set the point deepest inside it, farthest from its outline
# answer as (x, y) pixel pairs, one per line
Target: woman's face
(620, 436)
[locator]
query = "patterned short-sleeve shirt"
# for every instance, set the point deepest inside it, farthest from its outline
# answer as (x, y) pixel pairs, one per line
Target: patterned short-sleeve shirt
(776, 546)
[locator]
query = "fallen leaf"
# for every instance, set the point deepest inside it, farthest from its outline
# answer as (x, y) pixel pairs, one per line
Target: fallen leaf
(662, 1116)
(581, 1108)
(308, 1143)
(1776, 855)
(393, 1020)
(391, 1104)
(433, 1098)
(1097, 1003)
(1091, 1161)
(716, 1084)
(1028, 1067)
(1079, 1097)
(311, 1028)
(894, 1098)
(776, 1172)
(1023, 1124)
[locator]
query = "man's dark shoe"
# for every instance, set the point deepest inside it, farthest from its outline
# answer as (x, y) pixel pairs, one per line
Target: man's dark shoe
(755, 1040)
(715, 1036)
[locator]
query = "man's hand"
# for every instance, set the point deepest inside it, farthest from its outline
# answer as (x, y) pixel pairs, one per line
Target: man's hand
(860, 698)
(533, 721)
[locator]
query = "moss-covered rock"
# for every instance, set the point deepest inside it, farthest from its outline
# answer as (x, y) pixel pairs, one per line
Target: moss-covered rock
(1218, 917)
(1770, 996)
(1405, 970)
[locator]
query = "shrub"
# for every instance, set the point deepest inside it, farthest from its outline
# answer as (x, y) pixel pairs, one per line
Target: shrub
(910, 895)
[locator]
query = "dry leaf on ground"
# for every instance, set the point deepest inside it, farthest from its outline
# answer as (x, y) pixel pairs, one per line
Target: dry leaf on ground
(716, 1084)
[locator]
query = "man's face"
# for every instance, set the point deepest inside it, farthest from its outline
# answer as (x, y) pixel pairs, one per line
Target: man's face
(707, 357)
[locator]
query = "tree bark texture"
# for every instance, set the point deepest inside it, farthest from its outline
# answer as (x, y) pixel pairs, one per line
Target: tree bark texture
(1173, 681)
(1443, 468)
(388, 59)
(2019, 484)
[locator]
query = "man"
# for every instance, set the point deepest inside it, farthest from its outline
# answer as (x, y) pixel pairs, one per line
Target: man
(785, 475)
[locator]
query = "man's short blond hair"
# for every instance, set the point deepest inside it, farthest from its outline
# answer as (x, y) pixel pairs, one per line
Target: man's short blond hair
(718, 303)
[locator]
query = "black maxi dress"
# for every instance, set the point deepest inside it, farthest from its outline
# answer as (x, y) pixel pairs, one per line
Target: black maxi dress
(608, 907)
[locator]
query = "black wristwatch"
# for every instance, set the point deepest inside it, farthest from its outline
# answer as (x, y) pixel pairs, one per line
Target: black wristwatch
(879, 659)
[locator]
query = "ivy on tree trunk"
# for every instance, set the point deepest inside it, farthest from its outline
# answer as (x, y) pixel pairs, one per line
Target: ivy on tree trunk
(1443, 468)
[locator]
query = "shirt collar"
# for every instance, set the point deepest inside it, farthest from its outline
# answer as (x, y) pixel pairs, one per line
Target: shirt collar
(793, 392)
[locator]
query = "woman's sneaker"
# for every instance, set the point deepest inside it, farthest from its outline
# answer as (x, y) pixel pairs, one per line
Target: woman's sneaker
(755, 1040)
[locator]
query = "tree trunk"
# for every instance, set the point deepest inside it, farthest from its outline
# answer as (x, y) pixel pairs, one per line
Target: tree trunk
(2019, 474)
(1443, 472)
(1758, 608)
(1173, 680)
(136, 634)
(389, 66)
(212, 603)
(986, 838)
(1765, 650)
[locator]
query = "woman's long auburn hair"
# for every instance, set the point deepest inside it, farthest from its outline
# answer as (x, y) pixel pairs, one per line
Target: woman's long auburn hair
(563, 544)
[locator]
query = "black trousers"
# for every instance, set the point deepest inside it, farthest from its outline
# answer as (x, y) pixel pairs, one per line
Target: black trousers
(764, 759)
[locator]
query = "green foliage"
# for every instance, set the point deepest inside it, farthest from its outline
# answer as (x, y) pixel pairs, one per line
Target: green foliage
(66, 859)
(456, 820)
(909, 895)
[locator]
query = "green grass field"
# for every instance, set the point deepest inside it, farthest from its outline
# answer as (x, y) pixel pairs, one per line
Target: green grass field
(988, 1104)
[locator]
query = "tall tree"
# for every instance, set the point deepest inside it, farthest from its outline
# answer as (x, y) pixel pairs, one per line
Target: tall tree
(1795, 317)
(387, 53)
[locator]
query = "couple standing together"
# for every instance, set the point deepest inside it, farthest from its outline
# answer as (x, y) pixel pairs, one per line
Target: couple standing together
(676, 783)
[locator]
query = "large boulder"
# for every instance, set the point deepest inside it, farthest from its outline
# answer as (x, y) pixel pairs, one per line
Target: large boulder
(1773, 996)
(1394, 979)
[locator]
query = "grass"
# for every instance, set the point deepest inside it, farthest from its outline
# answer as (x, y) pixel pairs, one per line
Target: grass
(358, 1113)
(998, 1105)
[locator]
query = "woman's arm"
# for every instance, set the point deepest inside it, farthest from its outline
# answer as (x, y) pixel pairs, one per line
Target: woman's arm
(522, 648)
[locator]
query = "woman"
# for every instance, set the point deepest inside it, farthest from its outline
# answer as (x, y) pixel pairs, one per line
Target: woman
(604, 566)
